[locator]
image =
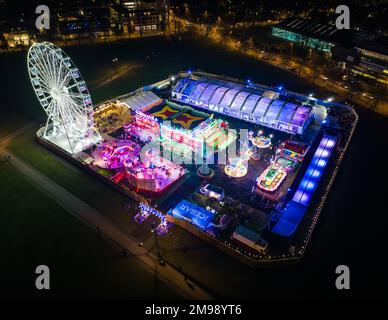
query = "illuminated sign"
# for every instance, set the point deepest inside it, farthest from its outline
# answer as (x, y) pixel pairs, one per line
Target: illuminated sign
(192, 213)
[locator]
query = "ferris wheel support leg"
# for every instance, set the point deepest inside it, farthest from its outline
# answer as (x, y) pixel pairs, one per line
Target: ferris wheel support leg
(67, 137)
(98, 134)
(46, 127)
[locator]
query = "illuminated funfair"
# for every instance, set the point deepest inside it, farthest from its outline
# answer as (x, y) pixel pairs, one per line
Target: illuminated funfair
(111, 154)
(64, 96)
(143, 127)
(145, 211)
(208, 136)
(287, 157)
(259, 142)
(271, 178)
(238, 166)
(292, 150)
(151, 173)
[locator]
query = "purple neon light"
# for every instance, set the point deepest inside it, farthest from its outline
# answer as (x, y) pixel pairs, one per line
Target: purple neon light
(301, 115)
(287, 112)
(239, 100)
(250, 103)
(262, 106)
(274, 109)
(208, 93)
(180, 84)
(314, 171)
(198, 90)
(189, 87)
(228, 98)
(217, 96)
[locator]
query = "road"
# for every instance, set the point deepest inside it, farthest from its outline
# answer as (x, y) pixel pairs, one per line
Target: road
(301, 67)
(97, 221)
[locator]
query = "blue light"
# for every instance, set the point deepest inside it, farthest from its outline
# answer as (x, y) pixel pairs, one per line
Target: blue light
(193, 213)
(321, 163)
(314, 171)
(280, 88)
(189, 71)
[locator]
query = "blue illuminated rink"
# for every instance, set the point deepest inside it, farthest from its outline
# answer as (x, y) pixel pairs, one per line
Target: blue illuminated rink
(292, 215)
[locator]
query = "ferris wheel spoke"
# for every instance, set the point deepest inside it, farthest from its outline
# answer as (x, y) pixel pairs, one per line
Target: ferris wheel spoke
(76, 107)
(69, 107)
(44, 73)
(58, 70)
(78, 98)
(46, 66)
(45, 89)
(41, 71)
(64, 81)
(77, 95)
(39, 55)
(60, 73)
(43, 86)
(52, 67)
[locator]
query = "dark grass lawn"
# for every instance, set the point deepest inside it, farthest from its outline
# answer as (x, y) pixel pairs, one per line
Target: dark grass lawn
(12, 120)
(34, 230)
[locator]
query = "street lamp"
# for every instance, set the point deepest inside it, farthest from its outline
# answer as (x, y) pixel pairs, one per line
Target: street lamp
(160, 258)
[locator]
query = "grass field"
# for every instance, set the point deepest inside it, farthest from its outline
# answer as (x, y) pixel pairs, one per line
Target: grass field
(34, 230)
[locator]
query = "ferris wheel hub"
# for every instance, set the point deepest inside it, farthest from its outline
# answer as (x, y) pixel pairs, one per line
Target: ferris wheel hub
(55, 94)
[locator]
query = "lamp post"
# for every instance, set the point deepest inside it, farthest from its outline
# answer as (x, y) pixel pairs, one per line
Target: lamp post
(160, 258)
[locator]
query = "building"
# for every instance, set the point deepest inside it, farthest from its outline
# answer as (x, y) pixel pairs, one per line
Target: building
(16, 39)
(142, 16)
(368, 61)
(187, 133)
(86, 20)
(17, 25)
(244, 102)
(373, 64)
(309, 33)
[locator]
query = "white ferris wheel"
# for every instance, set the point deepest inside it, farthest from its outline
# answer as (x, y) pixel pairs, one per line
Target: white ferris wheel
(64, 96)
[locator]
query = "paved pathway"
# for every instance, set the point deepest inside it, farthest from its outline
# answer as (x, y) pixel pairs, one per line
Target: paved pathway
(6, 139)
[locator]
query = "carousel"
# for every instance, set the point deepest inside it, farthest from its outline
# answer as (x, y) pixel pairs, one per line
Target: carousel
(259, 142)
(238, 166)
